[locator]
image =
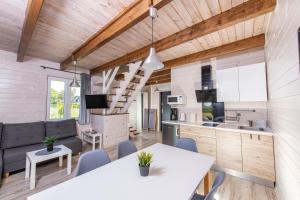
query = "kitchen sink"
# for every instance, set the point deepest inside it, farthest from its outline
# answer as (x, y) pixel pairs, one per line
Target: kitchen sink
(251, 128)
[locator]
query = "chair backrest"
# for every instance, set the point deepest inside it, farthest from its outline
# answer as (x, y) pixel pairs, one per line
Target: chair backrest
(125, 148)
(187, 144)
(216, 184)
(91, 160)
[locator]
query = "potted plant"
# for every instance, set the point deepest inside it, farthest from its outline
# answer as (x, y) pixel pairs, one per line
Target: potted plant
(49, 141)
(145, 160)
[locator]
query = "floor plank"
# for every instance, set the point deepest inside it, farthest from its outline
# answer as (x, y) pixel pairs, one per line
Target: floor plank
(16, 187)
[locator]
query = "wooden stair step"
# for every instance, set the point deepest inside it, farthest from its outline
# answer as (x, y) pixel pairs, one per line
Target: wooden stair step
(140, 73)
(123, 69)
(120, 77)
(131, 89)
(135, 80)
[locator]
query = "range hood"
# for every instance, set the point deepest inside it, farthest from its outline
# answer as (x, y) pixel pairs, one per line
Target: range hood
(207, 94)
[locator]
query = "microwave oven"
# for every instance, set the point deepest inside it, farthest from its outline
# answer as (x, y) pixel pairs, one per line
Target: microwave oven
(176, 99)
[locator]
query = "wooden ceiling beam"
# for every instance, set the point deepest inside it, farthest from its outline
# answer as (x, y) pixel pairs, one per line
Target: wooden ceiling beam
(31, 17)
(241, 45)
(242, 12)
(153, 79)
(159, 82)
(164, 75)
(132, 15)
(160, 73)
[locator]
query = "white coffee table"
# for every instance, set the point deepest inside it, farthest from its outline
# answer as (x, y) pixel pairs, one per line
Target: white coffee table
(32, 159)
(92, 138)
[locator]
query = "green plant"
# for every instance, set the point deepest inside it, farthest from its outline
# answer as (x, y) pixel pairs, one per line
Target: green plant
(145, 159)
(50, 140)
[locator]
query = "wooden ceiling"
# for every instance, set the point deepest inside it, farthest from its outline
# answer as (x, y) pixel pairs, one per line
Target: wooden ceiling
(64, 25)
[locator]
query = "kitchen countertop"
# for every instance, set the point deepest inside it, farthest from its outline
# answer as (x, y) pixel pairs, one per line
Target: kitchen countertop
(222, 126)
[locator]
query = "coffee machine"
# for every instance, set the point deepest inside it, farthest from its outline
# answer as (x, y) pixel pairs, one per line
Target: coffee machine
(174, 114)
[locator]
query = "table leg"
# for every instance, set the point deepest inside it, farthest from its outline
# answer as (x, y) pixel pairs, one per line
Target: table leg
(207, 183)
(60, 162)
(94, 141)
(32, 176)
(69, 165)
(27, 169)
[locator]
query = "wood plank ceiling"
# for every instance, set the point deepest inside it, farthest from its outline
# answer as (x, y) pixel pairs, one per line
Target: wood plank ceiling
(65, 25)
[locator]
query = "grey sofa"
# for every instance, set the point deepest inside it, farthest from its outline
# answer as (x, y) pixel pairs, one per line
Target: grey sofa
(17, 139)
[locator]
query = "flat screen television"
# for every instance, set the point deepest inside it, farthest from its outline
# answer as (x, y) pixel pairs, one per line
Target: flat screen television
(96, 101)
(206, 95)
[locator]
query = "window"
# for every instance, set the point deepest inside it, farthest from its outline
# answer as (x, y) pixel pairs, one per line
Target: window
(63, 101)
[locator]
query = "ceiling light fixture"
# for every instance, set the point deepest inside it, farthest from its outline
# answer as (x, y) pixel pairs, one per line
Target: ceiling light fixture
(75, 82)
(152, 61)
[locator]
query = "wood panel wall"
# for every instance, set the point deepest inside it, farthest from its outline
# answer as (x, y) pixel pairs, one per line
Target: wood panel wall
(23, 88)
(284, 95)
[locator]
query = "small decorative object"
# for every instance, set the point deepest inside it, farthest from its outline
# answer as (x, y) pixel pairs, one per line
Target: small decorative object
(49, 141)
(145, 160)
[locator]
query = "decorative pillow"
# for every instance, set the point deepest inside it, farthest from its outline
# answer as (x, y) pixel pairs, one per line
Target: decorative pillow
(61, 129)
(17, 135)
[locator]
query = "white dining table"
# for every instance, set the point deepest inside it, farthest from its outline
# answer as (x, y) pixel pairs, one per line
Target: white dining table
(174, 174)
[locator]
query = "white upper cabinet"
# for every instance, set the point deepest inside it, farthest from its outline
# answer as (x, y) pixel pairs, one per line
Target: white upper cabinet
(252, 82)
(227, 85)
(246, 83)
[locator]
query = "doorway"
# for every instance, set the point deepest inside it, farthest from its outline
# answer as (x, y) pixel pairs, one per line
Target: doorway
(165, 108)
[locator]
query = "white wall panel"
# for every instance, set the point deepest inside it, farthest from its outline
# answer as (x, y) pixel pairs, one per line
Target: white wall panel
(23, 88)
(284, 95)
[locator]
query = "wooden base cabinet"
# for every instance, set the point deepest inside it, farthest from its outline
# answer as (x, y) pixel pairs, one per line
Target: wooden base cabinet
(249, 153)
(205, 138)
(258, 156)
(229, 150)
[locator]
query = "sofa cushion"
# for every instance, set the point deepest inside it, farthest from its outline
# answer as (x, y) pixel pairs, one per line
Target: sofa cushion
(17, 135)
(73, 143)
(61, 129)
(19, 153)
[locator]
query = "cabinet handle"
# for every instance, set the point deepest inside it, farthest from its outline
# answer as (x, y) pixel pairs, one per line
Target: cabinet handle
(251, 136)
(258, 137)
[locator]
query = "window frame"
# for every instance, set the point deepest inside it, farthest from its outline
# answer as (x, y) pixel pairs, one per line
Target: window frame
(67, 97)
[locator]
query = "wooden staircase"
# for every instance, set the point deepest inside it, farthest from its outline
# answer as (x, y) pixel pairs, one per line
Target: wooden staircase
(121, 85)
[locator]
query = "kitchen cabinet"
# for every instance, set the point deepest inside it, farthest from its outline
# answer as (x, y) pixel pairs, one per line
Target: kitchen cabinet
(205, 138)
(229, 150)
(242, 84)
(252, 83)
(258, 156)
(227, 85)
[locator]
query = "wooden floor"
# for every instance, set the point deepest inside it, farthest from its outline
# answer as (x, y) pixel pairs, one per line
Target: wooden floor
(16, 187)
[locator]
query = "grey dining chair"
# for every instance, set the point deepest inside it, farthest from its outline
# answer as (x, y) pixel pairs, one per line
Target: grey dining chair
(125, 148)
(187, 144)
(91, 160)
(216, 184)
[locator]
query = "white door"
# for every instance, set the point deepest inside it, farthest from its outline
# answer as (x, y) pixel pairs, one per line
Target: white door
(227, 85)
(252, 82)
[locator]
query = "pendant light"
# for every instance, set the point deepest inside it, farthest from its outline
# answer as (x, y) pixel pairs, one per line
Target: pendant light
(152, 61)
(75, 82)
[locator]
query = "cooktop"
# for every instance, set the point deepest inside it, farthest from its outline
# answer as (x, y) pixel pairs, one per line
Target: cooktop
(210, 124)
